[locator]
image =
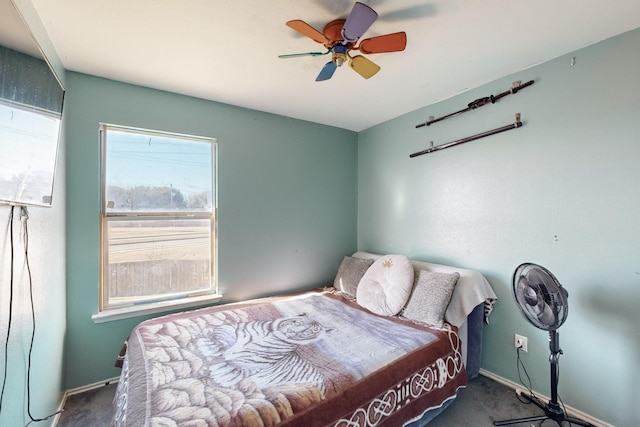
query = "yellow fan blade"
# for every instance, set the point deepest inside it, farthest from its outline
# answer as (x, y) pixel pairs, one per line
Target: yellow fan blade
(363, 66)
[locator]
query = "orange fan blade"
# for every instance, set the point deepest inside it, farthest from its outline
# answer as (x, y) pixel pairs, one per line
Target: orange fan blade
(395, 42)
(307, 30)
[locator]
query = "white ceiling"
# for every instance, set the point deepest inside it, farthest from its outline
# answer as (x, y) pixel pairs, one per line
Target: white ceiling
(227, 50)
(13, 32)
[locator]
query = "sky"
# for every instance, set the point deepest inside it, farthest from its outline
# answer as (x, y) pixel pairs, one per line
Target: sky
(159, 160)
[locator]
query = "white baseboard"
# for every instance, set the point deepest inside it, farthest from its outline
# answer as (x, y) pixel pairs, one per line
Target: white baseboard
(518, 388)
(77, 390)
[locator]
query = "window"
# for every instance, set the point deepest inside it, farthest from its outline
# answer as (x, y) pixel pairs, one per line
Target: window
(158, 220)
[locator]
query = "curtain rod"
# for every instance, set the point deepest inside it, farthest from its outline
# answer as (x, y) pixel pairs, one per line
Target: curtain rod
(515, 87)
(515, 125)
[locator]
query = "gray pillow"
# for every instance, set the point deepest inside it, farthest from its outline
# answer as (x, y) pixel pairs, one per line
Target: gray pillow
(430, 297)
(349, 274)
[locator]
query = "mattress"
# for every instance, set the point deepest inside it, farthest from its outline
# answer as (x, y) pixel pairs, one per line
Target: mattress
(312, 359)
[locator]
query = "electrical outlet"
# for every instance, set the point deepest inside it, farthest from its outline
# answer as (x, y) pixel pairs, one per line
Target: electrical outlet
(521, 342)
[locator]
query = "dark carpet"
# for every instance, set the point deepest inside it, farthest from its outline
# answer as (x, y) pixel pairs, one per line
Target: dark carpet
(477, 405)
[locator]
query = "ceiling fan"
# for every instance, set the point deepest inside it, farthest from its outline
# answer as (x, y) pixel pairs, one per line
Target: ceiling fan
(341, 36)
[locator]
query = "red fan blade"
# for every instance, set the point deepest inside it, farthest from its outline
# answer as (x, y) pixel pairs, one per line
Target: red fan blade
(307, 30)
(395, 42)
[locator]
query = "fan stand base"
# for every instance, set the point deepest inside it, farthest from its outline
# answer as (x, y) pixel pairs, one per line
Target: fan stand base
(552, 412)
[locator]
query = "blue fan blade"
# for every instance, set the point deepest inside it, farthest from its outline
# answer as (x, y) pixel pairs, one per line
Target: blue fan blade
(327, 71)
(358, 21)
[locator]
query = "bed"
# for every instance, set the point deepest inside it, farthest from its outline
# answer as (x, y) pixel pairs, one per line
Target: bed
(315, 358)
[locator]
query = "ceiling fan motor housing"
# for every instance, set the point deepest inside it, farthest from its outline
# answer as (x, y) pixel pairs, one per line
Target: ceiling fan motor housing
(339, 54)
(333, 32)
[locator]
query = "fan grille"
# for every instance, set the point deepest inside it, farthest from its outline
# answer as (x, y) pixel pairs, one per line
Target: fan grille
(540, 297)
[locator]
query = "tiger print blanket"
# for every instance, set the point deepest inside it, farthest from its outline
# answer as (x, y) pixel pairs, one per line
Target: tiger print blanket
(313, 359)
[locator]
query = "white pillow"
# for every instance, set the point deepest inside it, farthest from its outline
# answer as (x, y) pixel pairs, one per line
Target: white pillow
(385, 287)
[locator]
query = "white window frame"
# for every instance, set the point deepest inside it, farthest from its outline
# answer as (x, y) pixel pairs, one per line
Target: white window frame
(144, 306)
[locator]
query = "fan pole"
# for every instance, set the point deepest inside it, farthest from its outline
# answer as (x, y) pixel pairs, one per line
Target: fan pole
(552, 410)
(554, 358)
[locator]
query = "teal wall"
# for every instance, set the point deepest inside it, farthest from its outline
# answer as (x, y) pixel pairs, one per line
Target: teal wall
(286, 196)
(46, 256)
(561, 191)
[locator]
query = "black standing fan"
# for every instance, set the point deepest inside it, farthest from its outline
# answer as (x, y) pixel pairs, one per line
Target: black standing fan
(543, 301)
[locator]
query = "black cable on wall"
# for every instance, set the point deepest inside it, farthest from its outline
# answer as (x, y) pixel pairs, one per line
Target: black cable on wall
(6, 342)
(24, 217)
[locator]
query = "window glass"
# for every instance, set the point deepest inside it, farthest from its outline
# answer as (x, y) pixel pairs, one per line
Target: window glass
(157, 173)
(158, 217)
